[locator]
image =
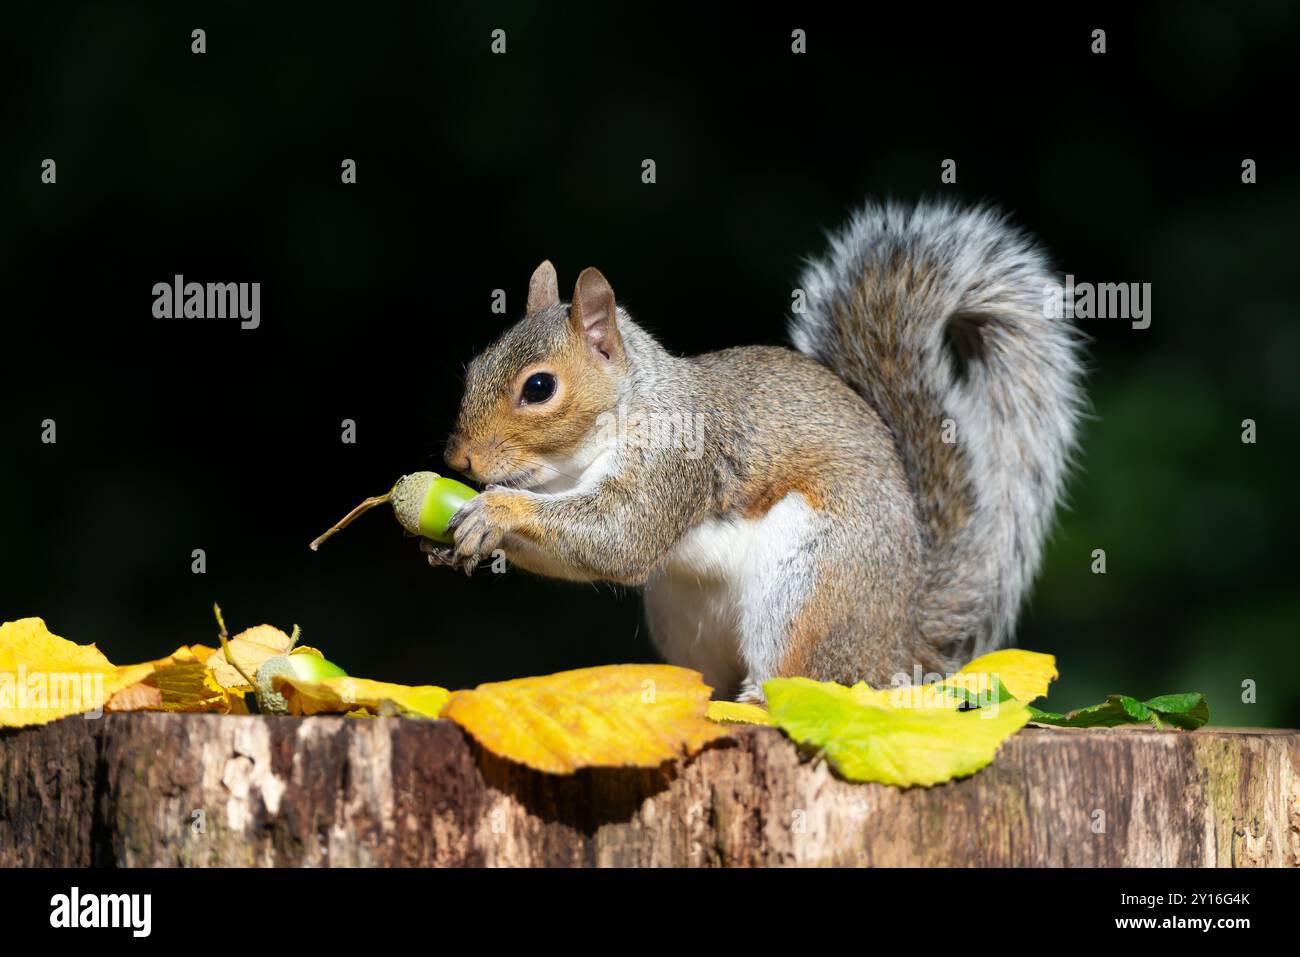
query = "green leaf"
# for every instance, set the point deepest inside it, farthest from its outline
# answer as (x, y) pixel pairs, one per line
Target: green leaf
(1187, 711)
(866, 739)
(997, 692)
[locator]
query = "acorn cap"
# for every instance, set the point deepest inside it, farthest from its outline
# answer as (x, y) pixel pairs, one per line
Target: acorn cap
(270, 701)
(408, 498)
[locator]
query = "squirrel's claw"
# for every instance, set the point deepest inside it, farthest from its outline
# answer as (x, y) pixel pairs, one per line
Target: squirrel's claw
(438, 554)
(454, 522)
(475, 532)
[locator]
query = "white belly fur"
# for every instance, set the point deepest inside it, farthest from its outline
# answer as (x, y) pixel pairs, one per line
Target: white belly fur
(723, 602)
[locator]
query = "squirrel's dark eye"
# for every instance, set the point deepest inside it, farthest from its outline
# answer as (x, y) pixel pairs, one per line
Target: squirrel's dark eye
(539, 387)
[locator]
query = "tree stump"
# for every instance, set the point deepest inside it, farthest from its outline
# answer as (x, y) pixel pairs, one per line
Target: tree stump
(169, 789)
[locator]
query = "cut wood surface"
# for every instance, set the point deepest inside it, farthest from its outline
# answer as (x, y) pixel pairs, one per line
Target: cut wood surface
(169, 789)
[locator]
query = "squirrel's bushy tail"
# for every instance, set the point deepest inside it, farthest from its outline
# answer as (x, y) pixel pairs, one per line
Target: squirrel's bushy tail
(937, 316)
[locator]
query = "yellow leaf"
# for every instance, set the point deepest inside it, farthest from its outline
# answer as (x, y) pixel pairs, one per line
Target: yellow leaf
(188, 685)
(202, 652)
(44, 677)
(250, 648)
(1025, 674)
(180, 682)
(928, 697)
(235, 703)
(612, 716)
(344, 695)
(138, 697)
(737, 712)
(892, 745)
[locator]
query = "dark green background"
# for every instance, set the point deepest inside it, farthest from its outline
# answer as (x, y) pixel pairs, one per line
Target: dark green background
(473, 167)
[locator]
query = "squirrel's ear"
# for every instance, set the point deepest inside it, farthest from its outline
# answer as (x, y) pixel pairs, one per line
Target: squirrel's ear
(594, 316)
(543, 288)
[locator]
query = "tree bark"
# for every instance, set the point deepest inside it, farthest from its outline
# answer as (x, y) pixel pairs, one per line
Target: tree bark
(158, 789)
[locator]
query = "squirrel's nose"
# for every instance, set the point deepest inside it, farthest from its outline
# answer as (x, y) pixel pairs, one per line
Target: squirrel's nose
(457, 455)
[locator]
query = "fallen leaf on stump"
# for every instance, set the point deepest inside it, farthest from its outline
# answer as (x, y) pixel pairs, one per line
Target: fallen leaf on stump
(1024, 674)
(612, 716)
(866, 738)
(138, 697)
(1187, 711)
(180, 682)
(44, 677)
(347, 695)
(737, 712)
(251, 648)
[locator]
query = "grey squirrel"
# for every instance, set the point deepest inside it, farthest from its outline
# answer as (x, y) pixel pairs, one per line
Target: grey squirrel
(871, 502)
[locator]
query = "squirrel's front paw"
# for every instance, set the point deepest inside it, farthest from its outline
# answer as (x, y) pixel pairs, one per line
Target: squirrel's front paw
(479, 526)
(438, 553)
(751, 692)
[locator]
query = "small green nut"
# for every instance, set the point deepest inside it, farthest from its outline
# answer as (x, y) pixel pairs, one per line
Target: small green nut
(304, 666)
(424, 503)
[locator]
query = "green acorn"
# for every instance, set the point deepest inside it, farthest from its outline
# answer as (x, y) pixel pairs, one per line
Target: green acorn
(423, 502)
(304, 667)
